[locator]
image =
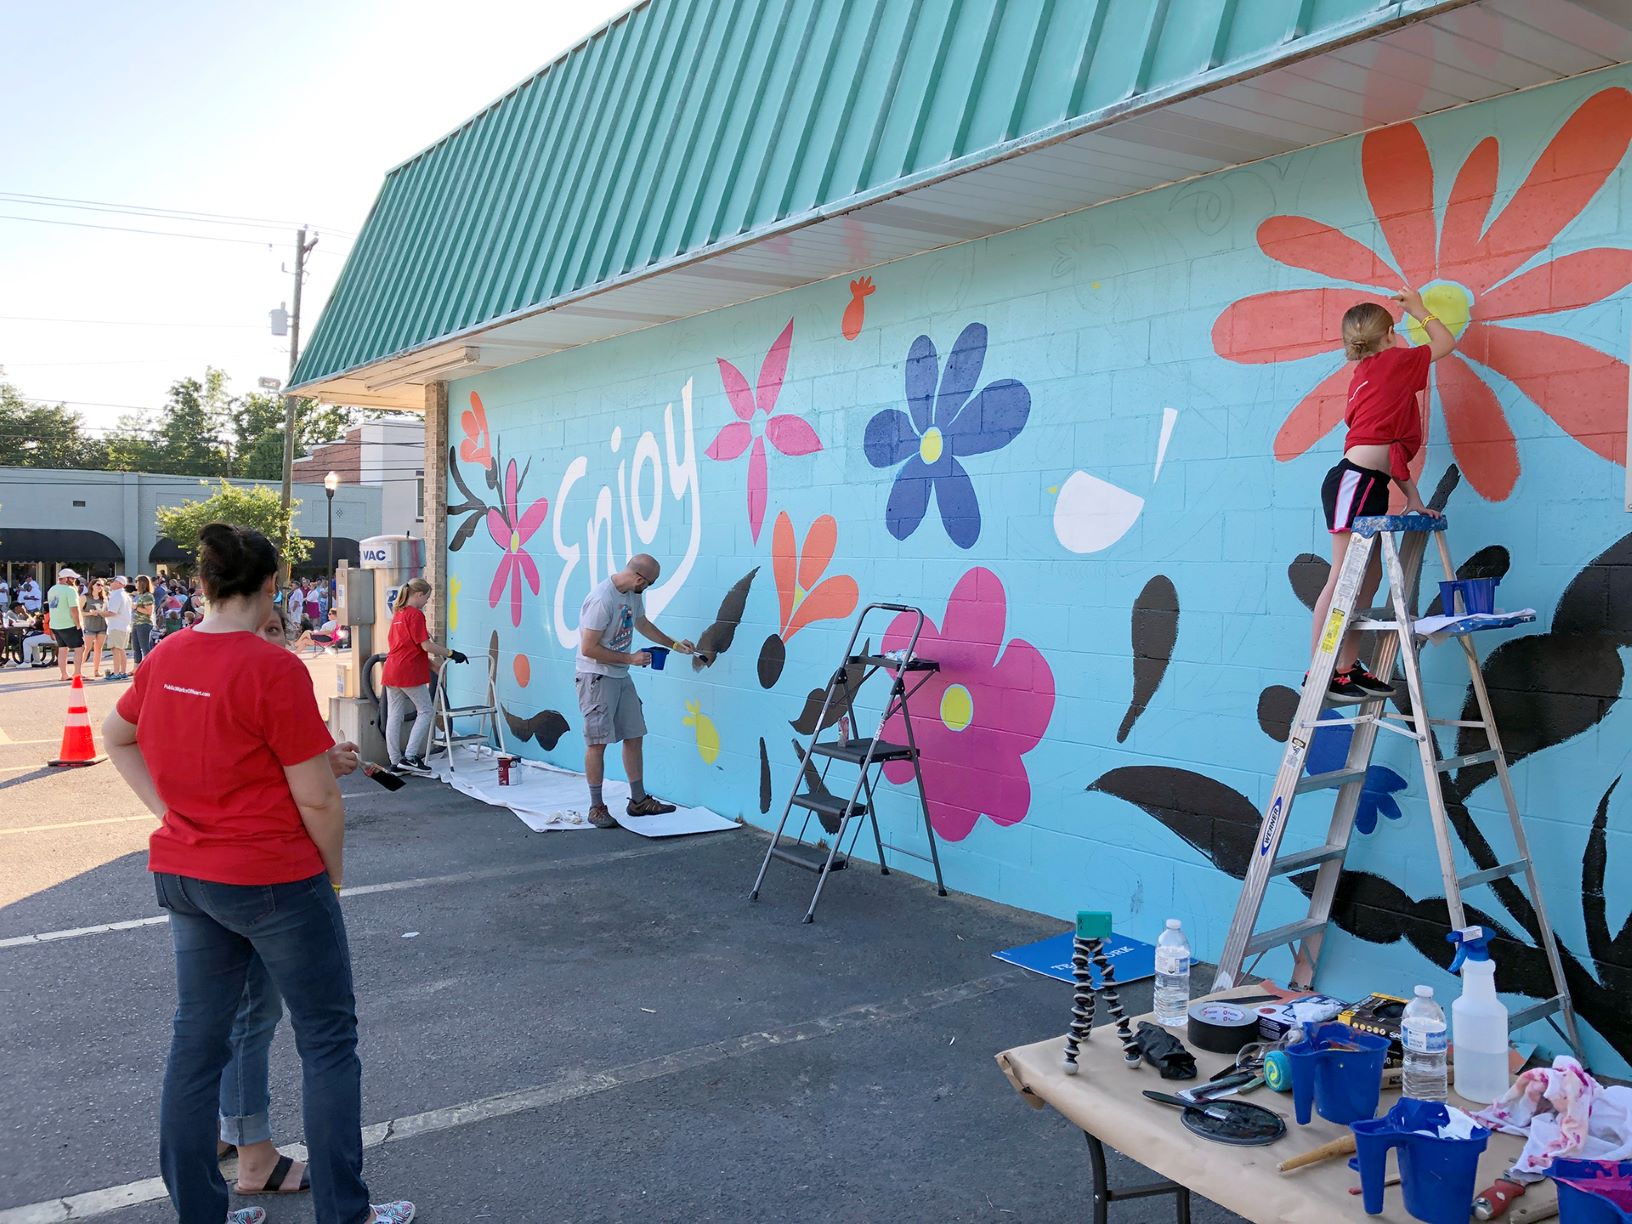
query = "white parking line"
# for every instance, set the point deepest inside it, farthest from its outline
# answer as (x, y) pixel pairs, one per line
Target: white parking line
(363, 890)
(556, 1092)
(77, 824)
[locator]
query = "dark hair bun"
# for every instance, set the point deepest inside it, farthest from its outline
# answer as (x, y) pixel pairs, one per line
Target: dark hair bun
(234, 561)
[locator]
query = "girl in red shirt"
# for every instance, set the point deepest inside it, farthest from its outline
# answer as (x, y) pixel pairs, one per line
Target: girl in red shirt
(1385, 432)
(248, 861)
(407, 678)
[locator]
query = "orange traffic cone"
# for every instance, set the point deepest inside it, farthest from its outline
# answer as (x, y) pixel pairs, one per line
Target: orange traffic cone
(78, 745)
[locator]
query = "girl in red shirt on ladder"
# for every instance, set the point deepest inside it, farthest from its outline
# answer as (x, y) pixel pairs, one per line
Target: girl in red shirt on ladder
(407, 678)
(1385, 424)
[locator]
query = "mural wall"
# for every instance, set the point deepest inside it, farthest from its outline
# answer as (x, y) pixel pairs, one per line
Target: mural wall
(1091, 451)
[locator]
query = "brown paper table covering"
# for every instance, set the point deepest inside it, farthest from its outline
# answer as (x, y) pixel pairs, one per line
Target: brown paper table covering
(1104, 1098)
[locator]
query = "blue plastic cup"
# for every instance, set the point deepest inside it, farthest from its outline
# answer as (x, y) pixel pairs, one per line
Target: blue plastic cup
(660, 656)
(1342, 1085)
(1437, 1176)
(1477, 595)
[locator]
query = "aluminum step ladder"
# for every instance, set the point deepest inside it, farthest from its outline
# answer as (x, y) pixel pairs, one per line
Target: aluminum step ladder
(907, 673)
(1396, 645)
(445, 734)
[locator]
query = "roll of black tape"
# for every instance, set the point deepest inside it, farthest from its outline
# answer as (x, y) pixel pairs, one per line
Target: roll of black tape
(1222, 1028)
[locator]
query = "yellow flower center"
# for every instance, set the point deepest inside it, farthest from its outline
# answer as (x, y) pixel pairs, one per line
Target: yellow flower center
(930, 448)
(1451, 302)
(957, 708)
(799, 594)
(515, 541)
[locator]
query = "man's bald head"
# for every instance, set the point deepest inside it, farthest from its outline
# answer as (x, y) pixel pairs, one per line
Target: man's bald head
(640, 573)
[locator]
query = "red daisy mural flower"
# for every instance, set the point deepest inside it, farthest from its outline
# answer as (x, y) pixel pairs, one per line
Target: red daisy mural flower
(789, 434)
(511, 531)
(1467, 268)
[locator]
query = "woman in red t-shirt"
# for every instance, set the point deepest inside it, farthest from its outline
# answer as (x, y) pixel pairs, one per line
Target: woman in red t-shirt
(248, 862)
(407, 677)
(1385, 432)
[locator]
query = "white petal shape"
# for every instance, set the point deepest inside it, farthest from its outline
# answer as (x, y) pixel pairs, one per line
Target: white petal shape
(1092, 514)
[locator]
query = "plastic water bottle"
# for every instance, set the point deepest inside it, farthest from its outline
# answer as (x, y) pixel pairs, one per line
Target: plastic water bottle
(1422, 1033)
(1172, 976)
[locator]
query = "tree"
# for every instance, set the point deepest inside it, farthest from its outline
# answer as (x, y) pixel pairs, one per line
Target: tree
(186, 437)
(44, 435)
(257, 428)
(260, 508)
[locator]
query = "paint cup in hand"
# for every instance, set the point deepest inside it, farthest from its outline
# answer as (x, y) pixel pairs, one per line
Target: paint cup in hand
(660, 656)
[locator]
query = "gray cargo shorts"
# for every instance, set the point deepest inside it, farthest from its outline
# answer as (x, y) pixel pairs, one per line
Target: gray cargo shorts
(611, 708)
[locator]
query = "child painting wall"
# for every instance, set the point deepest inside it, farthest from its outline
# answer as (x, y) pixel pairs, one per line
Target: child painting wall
(1091, 451)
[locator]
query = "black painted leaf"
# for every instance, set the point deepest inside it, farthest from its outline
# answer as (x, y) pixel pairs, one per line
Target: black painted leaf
(1219, 822)
(466, 530)
(1491, 561)
(1446, 486)
(717, 638)
(1593, 866)
(546, 727)
(1155, 631)
(764, 778)
(1599, 601)
(1276, 706)
(1307, 574)
(842, 700)
(773, 657)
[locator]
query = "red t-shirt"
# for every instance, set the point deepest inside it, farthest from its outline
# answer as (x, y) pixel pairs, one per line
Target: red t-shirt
(218, 716)
(1383, 408)
(407, 665)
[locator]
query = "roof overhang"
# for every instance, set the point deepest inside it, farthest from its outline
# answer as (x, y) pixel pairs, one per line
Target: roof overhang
(1440, 56)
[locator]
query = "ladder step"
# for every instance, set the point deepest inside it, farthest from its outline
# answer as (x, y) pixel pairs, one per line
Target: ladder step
(1321, 781)
(475, 709)
(830, 805)
(1281, 935)
(464, 737)
(1536, 1011)
(810, 862)
(1289, 863)
(884, 661)
(1494, 873)
(855, 751)
(1472, 758)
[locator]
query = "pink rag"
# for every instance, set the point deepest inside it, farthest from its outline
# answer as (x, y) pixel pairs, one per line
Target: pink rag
(1562, 1111)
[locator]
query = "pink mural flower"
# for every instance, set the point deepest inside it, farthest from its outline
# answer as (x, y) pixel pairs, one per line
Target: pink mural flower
(979, 715)
(791, 435)
(1470, 266)
(511, 531)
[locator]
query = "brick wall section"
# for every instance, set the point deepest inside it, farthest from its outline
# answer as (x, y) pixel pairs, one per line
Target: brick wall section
(436, 504)
(344, 458)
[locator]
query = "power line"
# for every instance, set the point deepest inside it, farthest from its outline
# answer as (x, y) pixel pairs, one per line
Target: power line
(142, 210)
(130, 229)
(121, 322)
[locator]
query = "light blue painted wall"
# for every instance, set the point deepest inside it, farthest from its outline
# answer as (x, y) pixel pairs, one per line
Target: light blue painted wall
(1107, 318)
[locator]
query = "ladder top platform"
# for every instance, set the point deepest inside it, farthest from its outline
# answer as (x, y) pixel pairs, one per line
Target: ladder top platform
(1370, 525)
(895, 664)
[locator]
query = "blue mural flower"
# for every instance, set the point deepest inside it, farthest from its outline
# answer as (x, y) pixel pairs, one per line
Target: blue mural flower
(1329, 750)
(947, 419)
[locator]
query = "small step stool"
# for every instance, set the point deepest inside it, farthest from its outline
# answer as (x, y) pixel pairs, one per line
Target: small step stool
(444, 734)
(1397, 644)
(907, 674)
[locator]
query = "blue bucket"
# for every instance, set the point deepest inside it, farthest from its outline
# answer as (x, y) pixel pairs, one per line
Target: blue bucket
(1342, 1085)
(1593, 1191)
(1437, 1176)
(1476, 595)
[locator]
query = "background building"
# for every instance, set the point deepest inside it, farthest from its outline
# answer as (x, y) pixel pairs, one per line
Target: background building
(103, 522)
(388, 455)
(1027, 314)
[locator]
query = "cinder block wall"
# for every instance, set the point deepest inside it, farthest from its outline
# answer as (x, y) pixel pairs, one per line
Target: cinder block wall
(1091, 452)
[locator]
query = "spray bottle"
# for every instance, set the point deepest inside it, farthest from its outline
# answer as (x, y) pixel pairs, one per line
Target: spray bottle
(1478, 1021)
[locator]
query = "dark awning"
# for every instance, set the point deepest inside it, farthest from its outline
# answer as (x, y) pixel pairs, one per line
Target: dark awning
(345, 549)
(166, 551)
(58, 544)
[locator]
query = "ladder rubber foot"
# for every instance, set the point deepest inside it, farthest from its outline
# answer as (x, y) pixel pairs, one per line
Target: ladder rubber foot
(754, 896)
(809, 918)
(940, 892)
(883, 870)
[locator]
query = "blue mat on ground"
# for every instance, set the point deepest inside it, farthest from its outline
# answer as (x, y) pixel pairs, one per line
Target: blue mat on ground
(1131, 959)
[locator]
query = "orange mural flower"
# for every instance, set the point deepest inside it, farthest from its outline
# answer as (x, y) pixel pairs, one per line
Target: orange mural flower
(1467, 270)
(803, 595)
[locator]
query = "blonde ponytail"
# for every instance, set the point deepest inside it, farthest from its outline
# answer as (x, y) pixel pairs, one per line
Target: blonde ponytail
(407, 590)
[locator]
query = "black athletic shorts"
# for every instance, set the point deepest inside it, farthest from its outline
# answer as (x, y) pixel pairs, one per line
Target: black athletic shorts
(69, 639)
(1350, 492)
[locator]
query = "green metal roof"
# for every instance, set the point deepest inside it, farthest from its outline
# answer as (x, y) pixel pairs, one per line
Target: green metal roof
(683, 125)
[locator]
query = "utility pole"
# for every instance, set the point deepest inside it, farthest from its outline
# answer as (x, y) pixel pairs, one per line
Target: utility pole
(302, 249)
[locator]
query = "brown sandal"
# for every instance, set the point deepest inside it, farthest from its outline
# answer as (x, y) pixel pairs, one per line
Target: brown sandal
(275, 1182)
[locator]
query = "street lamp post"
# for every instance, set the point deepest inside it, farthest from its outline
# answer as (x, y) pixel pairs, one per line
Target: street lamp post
(331, 482)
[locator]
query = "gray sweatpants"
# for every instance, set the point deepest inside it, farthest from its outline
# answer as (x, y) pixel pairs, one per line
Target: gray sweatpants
(397, 701)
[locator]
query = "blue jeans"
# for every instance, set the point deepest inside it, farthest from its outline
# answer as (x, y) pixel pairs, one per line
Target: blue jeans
(297, 932)
(141, 639)
(246, 1092)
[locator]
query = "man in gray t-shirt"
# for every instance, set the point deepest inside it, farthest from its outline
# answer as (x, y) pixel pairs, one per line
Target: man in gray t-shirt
(611, 614)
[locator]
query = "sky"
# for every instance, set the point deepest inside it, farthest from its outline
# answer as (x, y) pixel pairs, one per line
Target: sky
(284, 113)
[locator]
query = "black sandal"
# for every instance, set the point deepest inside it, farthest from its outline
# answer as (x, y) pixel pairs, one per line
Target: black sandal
(274, 1182)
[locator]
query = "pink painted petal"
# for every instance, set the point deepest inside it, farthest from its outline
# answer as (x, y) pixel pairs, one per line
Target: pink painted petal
(1299, 242)
(510, 491)
(1316, 415)
(758, 485)
(501, 575)
(1286, 324)
(736, 389)
(515, 598)
(1481, 438)
(792, 435)
(1400, 181)
(1582, 389)
(774, 369)
(972, 632)
(529, 570)
(499, 528)
(532, 519)
(731, 441)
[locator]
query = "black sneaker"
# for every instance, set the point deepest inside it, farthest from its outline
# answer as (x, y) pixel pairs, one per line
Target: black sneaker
(1369, 684)
(415, 766)
(1344, 691)
(649, 806)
